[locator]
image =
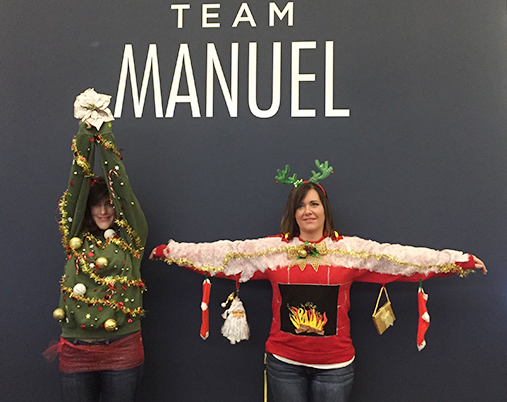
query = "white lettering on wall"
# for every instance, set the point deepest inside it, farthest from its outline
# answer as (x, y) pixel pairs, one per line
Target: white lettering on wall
(248, 17)
(229, 92)
(297, 77)
(329, 92)
(206, 15)
(252, 81)
(183, 61)
(213, 64)
(180, 8)
(288, 10)
(210, 15)
(138, 100)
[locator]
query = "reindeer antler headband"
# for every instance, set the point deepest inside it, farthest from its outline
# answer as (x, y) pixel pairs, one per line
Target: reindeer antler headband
(324, 171)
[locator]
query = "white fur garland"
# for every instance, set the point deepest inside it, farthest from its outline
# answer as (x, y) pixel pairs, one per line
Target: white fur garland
(245, 257)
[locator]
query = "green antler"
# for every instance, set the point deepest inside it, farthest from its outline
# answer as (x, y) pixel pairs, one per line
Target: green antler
(282, 176)
(325, 171)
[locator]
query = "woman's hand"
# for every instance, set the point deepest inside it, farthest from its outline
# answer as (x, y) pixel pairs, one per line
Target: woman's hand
(480, 265)
(153, 254)
(159, 252)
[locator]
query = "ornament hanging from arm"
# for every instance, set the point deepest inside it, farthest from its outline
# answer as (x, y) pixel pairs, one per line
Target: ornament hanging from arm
(235, 327)
(206, 288)
(424, 317)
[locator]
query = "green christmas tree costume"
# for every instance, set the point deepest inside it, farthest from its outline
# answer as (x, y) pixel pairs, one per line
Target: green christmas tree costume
(110, 302)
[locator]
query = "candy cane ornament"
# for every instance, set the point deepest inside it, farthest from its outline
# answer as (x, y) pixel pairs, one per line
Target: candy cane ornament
(111, 181)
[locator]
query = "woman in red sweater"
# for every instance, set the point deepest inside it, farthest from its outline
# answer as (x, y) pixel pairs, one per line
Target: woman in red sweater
(311, 268)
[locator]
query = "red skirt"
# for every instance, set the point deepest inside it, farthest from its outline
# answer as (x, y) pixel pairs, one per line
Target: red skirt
(121, 354)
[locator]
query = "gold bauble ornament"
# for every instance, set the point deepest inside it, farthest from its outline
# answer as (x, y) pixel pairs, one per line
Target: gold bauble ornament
(75, 243)
(59, 314)
(302, 253)
(101, 262)
(110, 325)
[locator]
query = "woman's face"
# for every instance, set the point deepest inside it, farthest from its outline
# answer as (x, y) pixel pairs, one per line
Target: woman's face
(311, 217)
(103, 214)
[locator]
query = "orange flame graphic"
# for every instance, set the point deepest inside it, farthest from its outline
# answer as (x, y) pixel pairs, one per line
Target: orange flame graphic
(307, 319)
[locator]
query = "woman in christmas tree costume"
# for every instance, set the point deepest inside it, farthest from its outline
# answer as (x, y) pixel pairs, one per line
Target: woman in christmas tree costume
(103, 233)
(311, 268)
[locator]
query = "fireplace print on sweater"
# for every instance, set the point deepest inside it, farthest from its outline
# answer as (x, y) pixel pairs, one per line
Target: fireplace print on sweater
(309, 310)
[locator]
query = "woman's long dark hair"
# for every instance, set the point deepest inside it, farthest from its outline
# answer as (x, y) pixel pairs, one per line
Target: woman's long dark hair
(98, 192)
(289, 225)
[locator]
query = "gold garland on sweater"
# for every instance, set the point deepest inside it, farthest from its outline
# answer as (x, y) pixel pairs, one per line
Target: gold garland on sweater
(115, 240)
(81, 160)
(313, 254)
(131, 232)
(107, 280)
(62, 223)
(103, 302)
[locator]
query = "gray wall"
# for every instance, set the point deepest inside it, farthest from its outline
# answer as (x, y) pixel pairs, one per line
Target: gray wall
(421, 160)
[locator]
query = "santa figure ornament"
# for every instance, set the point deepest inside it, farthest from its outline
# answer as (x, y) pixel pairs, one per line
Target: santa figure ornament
(235, 327)
(424, 318)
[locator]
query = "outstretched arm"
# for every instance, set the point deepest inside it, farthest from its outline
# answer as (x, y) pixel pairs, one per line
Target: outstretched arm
(404, 261)
(241, 258)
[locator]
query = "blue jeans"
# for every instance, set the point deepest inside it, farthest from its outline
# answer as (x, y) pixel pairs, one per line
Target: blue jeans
(103, 386)
(291, 383)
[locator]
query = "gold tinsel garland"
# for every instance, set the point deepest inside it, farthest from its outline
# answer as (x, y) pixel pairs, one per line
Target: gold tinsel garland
(108, 145)
(294, 255)
(229, 256)
(131, 232)
(81, 160)
(443, 268)
(115, 240)
(93, 301)
(63, 223)
(107, 280)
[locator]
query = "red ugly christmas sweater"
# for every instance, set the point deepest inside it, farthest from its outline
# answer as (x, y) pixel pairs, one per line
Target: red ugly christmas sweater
(311, 283)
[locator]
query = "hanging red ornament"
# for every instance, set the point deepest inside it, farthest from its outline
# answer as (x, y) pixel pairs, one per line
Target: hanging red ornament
(206, 288)
(424, 318)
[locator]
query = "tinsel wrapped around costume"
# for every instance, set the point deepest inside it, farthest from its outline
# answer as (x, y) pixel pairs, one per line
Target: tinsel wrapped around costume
(311, 283)
(101, 290)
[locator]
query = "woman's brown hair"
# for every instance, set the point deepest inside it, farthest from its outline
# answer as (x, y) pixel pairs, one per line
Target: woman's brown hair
(289, 226)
